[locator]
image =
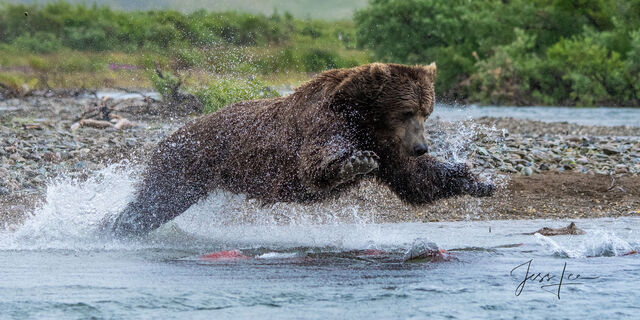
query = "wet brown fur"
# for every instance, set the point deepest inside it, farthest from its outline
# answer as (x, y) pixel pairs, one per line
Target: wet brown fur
(293, 148)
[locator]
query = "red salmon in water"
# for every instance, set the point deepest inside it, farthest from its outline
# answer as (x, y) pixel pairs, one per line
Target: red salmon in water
(224, 255)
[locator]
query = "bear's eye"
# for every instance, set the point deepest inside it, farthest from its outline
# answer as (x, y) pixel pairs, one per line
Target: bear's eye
(408, 114)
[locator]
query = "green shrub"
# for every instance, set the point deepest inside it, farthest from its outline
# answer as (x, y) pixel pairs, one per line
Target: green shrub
(316, 60)
(79, 63)
(40, 42)
(17, 84)
(165, 85)
(186, 58)
(632, 65)
(592, 74)
(81, 38)
(510, 75)
(576, 52)
(221, 92)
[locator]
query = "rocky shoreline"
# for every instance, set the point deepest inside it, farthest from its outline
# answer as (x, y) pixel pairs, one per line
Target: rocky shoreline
(527, 147)
(39, 142)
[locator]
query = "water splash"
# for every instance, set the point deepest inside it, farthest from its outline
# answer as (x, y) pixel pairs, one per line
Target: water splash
(71, 214)
(462, 141)
(72, 210)
(598, 244)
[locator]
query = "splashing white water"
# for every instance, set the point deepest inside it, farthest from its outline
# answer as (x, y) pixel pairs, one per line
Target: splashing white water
(72, 212)
(598, 244)
(460, 141)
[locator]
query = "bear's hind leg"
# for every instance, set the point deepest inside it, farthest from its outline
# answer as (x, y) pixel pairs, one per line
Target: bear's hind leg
(156, 203)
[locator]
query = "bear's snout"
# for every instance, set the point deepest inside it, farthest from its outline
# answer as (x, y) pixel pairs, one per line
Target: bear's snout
(420, 149)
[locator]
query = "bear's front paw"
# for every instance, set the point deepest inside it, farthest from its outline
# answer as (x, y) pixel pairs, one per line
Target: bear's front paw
(360, 163)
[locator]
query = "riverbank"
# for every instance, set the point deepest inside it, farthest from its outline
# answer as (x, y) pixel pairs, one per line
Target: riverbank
(545, 170)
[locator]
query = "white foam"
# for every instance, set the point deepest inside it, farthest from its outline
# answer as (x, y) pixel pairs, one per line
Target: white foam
(72, 210)
(596, 244)
(278, 255)
(71, 214)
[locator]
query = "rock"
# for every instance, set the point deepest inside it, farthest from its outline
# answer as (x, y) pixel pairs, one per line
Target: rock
(126, 124)
(610, 149)
(544, 167)
(482, 151)
(423, 249)
(621, 168)
(98, 124)
(571, 229)
(582, 160)
(51, 157)
(80, 165)
(38, 179)
(507, 167)
(17, 157)
(574, 139)
(526, 171)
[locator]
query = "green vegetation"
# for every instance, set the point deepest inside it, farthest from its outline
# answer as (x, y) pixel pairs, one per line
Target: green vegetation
(61, 45)
(550, 52)
(522, 52)
(218, 93)
(324, 9)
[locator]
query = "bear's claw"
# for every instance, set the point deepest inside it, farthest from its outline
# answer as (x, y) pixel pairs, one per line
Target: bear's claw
(360, 163)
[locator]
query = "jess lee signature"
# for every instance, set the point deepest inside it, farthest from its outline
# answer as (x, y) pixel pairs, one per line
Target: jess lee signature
(550, 283)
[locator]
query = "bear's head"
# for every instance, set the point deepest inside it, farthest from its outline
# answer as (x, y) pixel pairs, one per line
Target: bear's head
(389, 102)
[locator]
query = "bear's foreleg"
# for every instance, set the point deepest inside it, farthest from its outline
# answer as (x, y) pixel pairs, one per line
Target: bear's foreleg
(359, 163)
(424, 180)
(327, 166)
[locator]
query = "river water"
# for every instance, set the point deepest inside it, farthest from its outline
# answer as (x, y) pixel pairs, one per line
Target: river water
(55, 265)
(600, 116)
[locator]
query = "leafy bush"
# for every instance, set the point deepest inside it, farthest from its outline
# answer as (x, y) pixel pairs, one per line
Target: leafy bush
(186, 58)
(91, 38)
(40, 42)
(573, 52)
(316, 60)
(510, 75)
(221, 92)
(166, 84)
(632, 65)
(17, 85)
(591, 74)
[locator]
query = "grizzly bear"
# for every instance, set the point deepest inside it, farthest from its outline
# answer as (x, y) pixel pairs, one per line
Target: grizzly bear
(341, 126)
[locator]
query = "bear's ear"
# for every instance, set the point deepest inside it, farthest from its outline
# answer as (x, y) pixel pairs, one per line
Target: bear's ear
(430, 71)
(360, 87)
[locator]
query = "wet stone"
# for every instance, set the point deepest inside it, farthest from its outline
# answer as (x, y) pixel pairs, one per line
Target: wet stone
(610, 150)
(526, 171)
